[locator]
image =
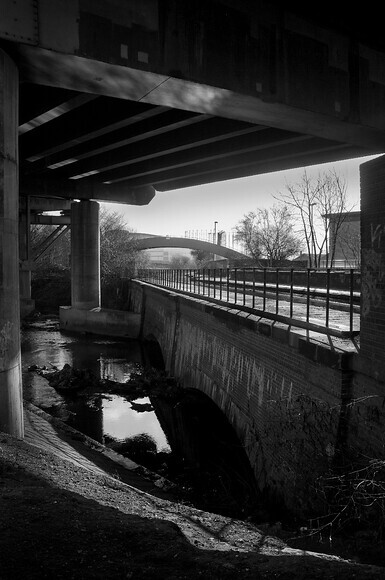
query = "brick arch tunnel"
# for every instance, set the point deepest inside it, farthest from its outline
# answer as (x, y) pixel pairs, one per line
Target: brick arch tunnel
(207, 445)
(282, 399)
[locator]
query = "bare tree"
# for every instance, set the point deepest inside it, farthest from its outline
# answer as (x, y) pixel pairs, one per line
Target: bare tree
(57, 255)
(117, 246)
(314, 200)
(269, 234)
(200, 258)
(351, 247)
(181, 262)
(246, 231)
(118, 252)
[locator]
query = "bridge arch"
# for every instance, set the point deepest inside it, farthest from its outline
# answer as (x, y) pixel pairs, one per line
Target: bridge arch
(175, 242)
(266, 382)
(201, 436)
(152, 353)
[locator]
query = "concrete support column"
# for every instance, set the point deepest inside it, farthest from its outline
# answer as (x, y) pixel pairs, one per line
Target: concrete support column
(85, 255)
(27, 305)
(11, 408)
(372, 336)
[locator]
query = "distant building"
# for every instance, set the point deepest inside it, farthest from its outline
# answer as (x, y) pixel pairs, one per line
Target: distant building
(345, 238)
(163, 257)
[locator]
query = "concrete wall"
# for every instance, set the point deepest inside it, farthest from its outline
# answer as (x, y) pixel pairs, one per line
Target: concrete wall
(286, 397)
(373, 265)
(366, 411)
(103, 321)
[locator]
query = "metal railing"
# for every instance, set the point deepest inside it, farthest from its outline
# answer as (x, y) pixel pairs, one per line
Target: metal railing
(311, 299)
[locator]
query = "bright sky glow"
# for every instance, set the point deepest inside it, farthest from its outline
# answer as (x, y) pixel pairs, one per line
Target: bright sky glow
(197, 208)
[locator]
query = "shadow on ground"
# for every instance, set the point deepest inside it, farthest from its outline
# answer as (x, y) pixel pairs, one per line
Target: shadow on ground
(70, 523)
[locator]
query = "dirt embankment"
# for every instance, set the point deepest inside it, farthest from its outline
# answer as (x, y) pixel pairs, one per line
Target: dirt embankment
(62, 518)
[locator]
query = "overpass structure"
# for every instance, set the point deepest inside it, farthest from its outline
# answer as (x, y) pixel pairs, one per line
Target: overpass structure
(114, 100)
(174, 242)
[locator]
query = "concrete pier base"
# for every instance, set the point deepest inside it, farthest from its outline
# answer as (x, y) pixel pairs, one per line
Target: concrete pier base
(100, 321)
(11, 410)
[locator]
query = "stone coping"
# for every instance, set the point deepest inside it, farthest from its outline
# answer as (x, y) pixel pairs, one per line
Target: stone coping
(320, 348)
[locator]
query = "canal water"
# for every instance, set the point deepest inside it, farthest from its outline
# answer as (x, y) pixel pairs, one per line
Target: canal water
(103, 417)
(184, 438)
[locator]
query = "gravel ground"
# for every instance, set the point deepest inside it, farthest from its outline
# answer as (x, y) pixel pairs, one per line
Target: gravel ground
(72, 517)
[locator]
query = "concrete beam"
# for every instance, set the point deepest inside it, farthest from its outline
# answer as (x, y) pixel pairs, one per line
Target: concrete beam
(41, 204)
(51, 220)
(91, 76)
(85, 189)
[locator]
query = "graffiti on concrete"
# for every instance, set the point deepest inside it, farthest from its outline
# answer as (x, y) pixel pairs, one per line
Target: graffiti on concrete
(5, 338)
(376, 234)
(373, 275)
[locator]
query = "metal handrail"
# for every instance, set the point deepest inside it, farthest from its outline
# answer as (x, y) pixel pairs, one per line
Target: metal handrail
(293, 297)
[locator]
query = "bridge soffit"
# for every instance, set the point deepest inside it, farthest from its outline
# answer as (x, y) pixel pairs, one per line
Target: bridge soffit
(82, 45)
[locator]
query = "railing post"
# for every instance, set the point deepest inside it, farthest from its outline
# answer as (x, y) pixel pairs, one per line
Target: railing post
(308, 295)
(264, 289)
(228, 284)
(351, 300)
(203, 281)
(220, 283)
(327, 296)
(253, 287)
(291, 291)
(235, 284)
(277, 292)
(244, 286)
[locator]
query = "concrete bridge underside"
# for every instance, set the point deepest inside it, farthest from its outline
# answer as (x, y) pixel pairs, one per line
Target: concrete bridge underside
(118, 100)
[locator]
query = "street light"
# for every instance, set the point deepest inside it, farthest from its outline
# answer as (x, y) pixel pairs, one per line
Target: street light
(311, 217)
(215, 238)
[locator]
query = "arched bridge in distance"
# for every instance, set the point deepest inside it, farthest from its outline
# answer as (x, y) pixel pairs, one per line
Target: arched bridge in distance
(150, 242)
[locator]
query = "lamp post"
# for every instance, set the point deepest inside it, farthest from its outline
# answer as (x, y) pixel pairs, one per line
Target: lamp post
(215, 238)
(313, 247)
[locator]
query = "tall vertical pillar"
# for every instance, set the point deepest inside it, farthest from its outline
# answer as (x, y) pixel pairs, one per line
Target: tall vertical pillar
(11, 408)
(27, 305)
(85, 255)
(372, 336)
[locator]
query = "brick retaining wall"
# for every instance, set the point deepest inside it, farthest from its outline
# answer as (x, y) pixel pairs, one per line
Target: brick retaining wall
(283, 395)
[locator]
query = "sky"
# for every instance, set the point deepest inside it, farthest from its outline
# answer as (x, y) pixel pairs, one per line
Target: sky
(197, 208)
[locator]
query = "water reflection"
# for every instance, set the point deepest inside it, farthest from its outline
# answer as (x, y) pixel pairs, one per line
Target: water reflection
(204, 456)
(97, 416)
(117, 413)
